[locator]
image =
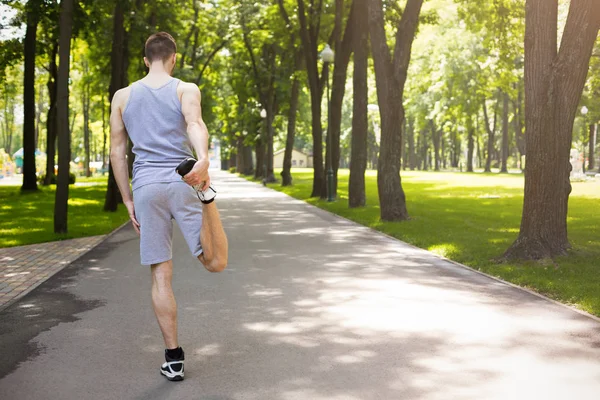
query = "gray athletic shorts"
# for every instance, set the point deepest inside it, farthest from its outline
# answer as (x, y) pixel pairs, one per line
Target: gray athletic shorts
(156, 205)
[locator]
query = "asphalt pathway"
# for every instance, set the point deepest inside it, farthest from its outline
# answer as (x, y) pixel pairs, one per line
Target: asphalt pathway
(311, 307)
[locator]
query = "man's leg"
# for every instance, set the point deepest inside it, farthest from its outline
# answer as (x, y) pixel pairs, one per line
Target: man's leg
(213, 239)
(164, 303)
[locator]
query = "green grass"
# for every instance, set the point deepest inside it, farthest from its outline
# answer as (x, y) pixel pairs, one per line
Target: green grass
(453, 215)
(27, 218)
(93, 179)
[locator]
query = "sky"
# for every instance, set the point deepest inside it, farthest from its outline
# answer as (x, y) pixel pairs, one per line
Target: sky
(8, 32)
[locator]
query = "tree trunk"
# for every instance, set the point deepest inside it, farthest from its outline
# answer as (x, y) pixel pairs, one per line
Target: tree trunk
(424, 148)
(9, 119)
(259, 148)
(435, 136)
(518, 125)
(360, 119)
(343, 50)
(592, 148)
(29, 177)
(411, 146)
(270, 150)
(86, 124)
(319, 188)
(248, 164)
(62, 113)
(286, 174)
(118, 72)
(51, 118)
(309, 34)
(491, 136)
(505, 146)
(239, 162)
(103, 134)
(554, 82)
(470, 148)
(406, 146)
(38, 117)
(391, 77)
(456, 150)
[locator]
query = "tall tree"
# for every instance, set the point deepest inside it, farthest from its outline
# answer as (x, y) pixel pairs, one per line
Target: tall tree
(554, 81)
(310, 28)
(29, 176)
(592, 146)
(118, 80)
(62, 112)
(491, 130)
(286, 175)
(343, 51)
(505, 138)
(360, 122)
(391, 73)
(50, 25)
(86, 117)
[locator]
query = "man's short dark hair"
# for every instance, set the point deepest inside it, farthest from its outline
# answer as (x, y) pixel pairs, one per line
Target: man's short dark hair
(160, 46)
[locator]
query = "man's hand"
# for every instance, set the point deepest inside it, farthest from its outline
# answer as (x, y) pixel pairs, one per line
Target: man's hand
(131, 210)
(199, 174)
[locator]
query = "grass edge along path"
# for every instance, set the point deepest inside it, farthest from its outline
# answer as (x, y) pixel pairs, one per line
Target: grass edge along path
(28, 218)
(472, 219)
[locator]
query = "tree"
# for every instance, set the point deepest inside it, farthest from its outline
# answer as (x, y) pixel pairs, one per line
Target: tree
(119, 63)
(554, 81)
(360, 122)
(310, 29)
(286, 175)
(391, 73)
(343, 51)
(29, 176)
(505, 138)
(86, 93)
(62, 108)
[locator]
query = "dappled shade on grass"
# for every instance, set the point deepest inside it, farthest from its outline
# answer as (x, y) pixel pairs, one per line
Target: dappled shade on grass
(27, 218)
(473, 218)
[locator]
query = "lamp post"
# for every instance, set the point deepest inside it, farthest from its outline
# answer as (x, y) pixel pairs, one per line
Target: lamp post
(263, 115)
(584, 111)
(328, 57)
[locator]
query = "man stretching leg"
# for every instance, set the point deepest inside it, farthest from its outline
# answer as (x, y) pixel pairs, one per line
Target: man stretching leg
(163, 118)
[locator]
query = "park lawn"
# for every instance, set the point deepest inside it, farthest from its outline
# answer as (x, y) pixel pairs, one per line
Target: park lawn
(28, 218)
(93, 179)
(455, 215)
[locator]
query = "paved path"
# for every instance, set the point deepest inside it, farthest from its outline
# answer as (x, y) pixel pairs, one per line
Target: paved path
(311, 307)
(23, 268)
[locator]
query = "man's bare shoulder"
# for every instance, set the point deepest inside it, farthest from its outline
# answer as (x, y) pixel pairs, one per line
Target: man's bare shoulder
(187, 88)
(120, 97)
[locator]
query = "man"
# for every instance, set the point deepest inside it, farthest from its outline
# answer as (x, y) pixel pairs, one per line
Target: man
(163, 118)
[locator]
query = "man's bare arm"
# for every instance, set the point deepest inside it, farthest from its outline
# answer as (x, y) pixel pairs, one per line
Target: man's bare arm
(197, 132)
(118, 149)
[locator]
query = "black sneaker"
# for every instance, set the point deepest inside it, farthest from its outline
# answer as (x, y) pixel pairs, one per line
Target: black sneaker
(207, 196)
(173, 369)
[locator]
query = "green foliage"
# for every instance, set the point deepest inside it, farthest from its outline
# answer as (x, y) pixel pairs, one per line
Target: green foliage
(11, 53)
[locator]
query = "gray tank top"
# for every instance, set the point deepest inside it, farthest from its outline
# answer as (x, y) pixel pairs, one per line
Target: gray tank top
(157, 129)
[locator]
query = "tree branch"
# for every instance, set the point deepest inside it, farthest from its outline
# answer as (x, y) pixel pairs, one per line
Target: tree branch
(405, 35)
(208, 60)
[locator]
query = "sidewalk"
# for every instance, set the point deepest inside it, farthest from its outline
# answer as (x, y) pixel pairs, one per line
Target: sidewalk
(311, 307)
(23, 268)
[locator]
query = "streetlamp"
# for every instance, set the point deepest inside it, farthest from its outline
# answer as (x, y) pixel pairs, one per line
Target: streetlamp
(263, 115)
(584, 111)
(328, 57)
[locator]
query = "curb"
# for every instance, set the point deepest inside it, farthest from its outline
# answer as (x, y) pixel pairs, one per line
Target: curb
(34, 286)
(536, 294)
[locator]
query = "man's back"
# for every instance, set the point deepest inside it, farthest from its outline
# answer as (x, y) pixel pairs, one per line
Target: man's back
(154, 121)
